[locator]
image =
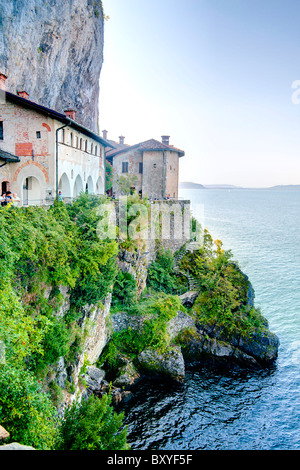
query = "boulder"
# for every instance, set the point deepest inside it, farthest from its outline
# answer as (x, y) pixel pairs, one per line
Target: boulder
(169, 363)
(3, 434)
(15, 446)
(188, 298)
(127, 376)
(209, 344)
(94, 378)
(179, 323)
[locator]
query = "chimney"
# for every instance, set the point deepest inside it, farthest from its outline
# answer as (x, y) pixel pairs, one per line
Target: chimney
(3, 79)
(70, 113)
(121, 139)
(104, 135)
(23, 94)
(165, 139)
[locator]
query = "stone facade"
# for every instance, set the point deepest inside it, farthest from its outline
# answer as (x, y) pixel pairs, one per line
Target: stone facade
(34, 139)
(154, 164)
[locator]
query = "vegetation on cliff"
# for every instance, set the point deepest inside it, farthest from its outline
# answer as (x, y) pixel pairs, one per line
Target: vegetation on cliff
(48, 254)
(42, 251)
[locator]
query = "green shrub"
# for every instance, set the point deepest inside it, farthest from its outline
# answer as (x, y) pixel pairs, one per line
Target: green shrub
(25, 410)
(124, 290)
(156, 311)
(161, 276)
(92, 425)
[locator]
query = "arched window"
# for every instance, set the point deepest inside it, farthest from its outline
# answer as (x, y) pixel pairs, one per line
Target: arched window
(71, 139)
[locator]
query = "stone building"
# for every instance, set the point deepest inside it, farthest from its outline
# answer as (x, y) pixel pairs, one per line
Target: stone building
(43, 151)
(154, 164)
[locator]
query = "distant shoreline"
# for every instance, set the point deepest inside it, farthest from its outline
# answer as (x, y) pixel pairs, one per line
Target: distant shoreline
(191, 185)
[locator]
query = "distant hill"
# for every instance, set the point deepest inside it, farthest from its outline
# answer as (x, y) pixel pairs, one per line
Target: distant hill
(189, 185)
(222, 186)
(286, 187)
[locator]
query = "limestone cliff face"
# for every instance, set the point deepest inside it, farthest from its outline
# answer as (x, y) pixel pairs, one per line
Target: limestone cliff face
(54, 50)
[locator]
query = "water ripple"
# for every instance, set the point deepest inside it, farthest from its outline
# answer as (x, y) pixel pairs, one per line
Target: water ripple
(238, 410)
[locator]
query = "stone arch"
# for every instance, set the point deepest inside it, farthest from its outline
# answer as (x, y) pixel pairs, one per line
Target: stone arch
(31, 195)
(64, 186)
(78, 186)
(31, 184)
(89, 185)
(30, 164)
(99, 186)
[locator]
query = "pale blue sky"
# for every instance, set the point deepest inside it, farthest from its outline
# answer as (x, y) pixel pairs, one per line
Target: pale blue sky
(215, 75)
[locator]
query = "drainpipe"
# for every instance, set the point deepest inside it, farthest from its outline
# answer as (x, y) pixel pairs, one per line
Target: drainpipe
(56, 184)
(164, 183)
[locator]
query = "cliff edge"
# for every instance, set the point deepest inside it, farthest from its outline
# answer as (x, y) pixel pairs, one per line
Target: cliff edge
(54, 51)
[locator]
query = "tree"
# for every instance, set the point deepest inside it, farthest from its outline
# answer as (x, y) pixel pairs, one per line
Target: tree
(126, 184)
(92, 425)
(109, 175)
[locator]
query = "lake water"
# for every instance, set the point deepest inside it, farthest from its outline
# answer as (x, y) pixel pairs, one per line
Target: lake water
(237, 410)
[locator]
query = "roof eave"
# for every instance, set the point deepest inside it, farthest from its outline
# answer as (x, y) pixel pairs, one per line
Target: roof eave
(180, 152)
(58, 116)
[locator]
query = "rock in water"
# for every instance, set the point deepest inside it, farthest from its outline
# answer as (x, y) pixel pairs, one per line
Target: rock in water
(169, 363)
(54, 51)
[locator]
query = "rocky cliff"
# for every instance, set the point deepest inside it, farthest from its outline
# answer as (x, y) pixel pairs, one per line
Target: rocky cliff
(54, 50)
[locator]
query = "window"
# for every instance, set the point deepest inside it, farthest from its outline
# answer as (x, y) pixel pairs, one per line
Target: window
(96, 150)
(154, 165)
(86, 145)
(38, 134)
(80, 144)
(124, 167)
(91, 148)
(140, 167)
(1, 130)
(71, 138)
(63, 136)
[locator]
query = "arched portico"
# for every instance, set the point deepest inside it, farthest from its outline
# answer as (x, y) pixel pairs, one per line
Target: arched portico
(89, 185)
(30, 184)
(78, 186)
(64, 186)
(31, 191)
(99, 186)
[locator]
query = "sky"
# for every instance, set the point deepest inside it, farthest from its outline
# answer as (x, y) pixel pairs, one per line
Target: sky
(217, 76)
